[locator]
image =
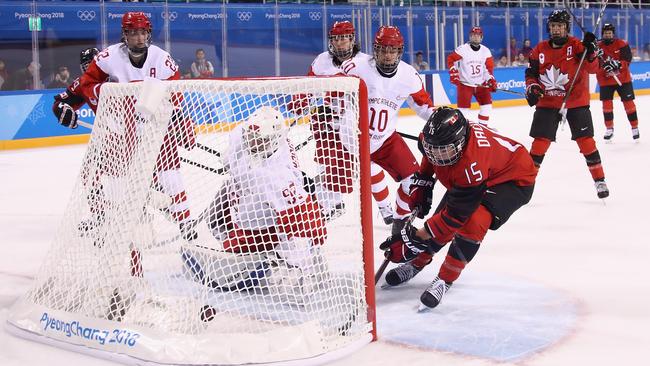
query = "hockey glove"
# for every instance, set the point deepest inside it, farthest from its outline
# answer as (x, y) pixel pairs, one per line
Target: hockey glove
(534, 93)
(454, 75)
(406, 245)
(65, 114)
(421, 193)
(589, 41)
(491, 84)
(611, 66)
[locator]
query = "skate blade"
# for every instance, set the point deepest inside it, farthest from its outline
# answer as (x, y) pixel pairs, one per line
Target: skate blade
(423, 308)
(386, 286)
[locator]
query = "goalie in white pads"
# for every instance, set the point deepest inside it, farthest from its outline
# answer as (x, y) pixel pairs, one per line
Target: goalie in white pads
(270, 227)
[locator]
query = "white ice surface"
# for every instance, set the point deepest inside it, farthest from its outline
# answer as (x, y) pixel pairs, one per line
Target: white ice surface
(565, 282)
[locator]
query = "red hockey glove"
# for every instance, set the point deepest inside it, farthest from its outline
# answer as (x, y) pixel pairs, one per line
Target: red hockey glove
(534, 93)
(454, 75)
(421, 193)
(406, 245)
(491, 84)
(65, 114)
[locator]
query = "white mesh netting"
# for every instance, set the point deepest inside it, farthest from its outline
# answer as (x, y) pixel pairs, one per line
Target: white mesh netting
(224, 229)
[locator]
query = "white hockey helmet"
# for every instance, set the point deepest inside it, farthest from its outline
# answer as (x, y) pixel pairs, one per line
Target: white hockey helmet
(264, 131)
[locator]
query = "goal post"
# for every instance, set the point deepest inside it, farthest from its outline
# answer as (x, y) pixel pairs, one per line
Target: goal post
(230, 223)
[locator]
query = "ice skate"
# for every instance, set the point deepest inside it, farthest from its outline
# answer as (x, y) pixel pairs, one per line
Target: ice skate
(601, 189)
(609, 134)
(432, 296)
(635, 133)
(401, 274)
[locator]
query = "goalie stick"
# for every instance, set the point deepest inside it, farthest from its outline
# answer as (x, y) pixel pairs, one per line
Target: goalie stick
(582, 28)
(563, 109)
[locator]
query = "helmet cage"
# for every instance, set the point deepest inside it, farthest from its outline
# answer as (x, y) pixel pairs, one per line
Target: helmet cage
(341, 54)
(383, 66)
(263, 133)
(444, 155)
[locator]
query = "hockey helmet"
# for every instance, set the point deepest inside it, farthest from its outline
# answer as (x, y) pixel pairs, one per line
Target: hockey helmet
(263, 132)
(341, 30)
(445, 136)
(608, 27)
(559, 16)
(133, 21)
(86, 57)
(475, 36)
(388, 48)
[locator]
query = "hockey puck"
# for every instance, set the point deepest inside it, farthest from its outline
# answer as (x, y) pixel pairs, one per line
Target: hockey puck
(207, 313)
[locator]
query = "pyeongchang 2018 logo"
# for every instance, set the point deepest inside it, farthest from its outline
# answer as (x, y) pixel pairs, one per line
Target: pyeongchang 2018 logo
(86, 15)
(244, 16)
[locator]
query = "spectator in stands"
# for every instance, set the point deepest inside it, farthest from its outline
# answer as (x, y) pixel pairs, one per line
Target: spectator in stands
(23, 79)
(201, 68)
(61, 79)
(503, 62)
(520, 61)
(526, 49)
(420, 64)
(514, 51)
(4, 75)
(635, 55)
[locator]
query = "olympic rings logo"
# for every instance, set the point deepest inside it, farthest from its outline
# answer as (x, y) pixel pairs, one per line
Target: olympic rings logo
(429, 16)
(244, 16)
(171, 15)
(86, 15)
(315, 15)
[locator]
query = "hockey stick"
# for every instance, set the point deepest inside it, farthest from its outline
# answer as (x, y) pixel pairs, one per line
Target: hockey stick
(501, 90)
(563, 109)
(384, 264)
(407, 136)
(582, 28)
(208, 149)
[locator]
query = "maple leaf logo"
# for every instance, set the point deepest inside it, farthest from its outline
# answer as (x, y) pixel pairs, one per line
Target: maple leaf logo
(554, 79)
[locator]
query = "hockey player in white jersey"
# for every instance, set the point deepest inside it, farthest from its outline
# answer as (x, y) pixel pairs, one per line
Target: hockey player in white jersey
(471, 69)
(136, 59)
(264, 218)
(390, 82)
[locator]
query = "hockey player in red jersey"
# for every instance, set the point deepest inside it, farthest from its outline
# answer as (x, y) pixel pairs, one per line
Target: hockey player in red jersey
(553, 68)
(471, 69)
(66, 103)
(487, 176)
(616, 63)
(135, 59)
(391, 82)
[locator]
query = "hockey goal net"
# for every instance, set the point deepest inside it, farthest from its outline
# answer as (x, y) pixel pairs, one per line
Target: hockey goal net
(215, 222)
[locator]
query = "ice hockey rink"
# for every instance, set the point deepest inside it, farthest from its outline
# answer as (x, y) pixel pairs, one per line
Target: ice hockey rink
(565, 282)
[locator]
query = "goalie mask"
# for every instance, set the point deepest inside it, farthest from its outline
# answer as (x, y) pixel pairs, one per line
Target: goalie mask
(86, 57)
(445, 136)
(263, 132)
(341, 41)
(136, 32)
(388, 48)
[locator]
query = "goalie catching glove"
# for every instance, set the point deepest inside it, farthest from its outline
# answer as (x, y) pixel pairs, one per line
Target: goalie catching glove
(406, 245)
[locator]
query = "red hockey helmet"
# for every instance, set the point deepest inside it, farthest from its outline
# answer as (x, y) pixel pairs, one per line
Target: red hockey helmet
(388, 48)
(338, 32)
(133, 21)
(475, 36)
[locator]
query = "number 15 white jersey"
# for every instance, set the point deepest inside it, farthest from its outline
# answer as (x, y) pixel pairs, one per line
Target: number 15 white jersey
(474, 67)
